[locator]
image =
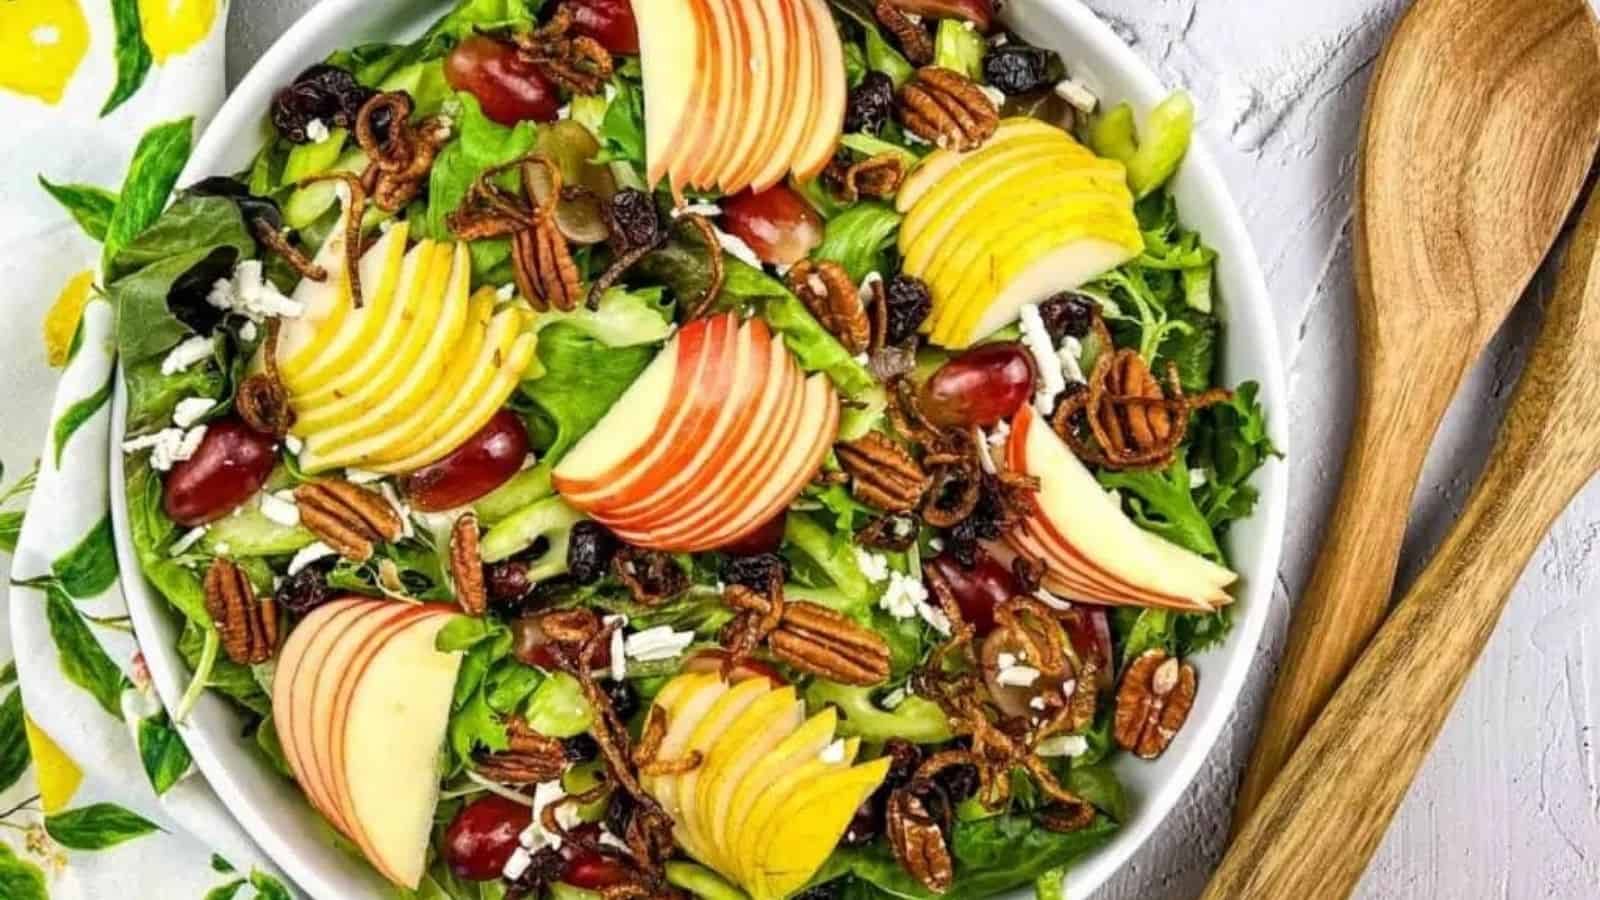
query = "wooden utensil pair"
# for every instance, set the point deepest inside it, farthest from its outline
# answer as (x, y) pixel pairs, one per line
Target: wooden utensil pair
(1482, 123)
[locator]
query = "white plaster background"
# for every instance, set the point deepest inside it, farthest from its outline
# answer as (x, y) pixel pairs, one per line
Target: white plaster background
(1508, 806)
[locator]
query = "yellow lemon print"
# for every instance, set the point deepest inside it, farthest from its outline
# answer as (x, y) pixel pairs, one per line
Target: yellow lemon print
(61, 322)
(172, 27)
(41, 44)
(57, 774)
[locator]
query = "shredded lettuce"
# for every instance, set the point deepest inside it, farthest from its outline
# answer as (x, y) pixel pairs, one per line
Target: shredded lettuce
(860, 238)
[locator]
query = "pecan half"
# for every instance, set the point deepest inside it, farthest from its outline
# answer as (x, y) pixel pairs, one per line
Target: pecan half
(466, 566)
(1153, 703)
(531, 757)
(912, 37)
(542, 265)
(826, 643)
(916, 836)
(882, 473)
(248, 626)
(348, 518)
(827, 291)
(947, 109)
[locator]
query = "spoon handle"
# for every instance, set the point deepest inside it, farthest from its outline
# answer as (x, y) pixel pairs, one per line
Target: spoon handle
(1317, 827)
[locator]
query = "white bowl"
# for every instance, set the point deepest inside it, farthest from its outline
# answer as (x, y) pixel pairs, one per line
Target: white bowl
(294, 836)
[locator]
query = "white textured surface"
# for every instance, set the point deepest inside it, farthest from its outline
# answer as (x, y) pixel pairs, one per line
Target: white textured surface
(1508, 806)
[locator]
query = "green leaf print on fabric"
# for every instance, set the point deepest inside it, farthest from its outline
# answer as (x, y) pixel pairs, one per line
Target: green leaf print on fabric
(11, 519)
(97, 827)
(76, 416)
(20, 879)
(226, 891)
(163, 753)
(83, 660)
(160, 156)
(13, 741)
(88, 569)
(133, 54)
(91, 206)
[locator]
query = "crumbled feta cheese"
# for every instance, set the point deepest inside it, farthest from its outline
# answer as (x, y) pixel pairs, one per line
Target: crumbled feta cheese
(1037, 702)
(1071, 354)
(861, 359)
(1000, 39)
(294, 444)
(1017, 676)
(400, 509)
(187, 354)
(661, 642)
(249, 294)
(191, 410)
(310, 554)
(189, 539)
(222, 548)
(893, 699)
(936, 544)
(619, 652)
(517, 865)
(167, 446)
(316, 131)
(995, 95)
(1197, 479)
(873, 565)
(506, 291)
(1000, 433)
(906, 597)
(833, 754)
(362, 476)
(969, 25)
(1037, 339)
(281, 508)
(534, 837)
(1064, 745)
(1077, 94)
(709, 210)
(248, 331)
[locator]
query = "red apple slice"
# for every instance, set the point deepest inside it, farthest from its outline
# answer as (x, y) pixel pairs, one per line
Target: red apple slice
(701, 406)
(827, 122)
(672, 54)
(804, 82)
(750, 383)
(761, 74)
(291, 693)
(719, 113)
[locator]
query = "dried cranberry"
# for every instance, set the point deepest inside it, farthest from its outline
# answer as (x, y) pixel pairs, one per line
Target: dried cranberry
(958, 782)
(589, 551)
(755, 572)
(306, 589)
(909, 305)
(624, 699)
(871, 104)
(1067, 315)
(322, 93)
(619, 811)
(580, 748)
(1017, 68)
(984, 524)
(869, 818)
(634, 218)
(507, 581)
(545, 870)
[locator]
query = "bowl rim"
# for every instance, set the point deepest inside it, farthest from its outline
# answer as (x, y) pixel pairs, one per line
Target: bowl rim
(309, 856)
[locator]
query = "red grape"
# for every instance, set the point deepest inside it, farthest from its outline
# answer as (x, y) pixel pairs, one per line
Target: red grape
(978, 589)
(610, 22)
(509, 88)
(763, 540)
(230, 465)
(531, 645)
(483, 836)
(778, 224)
(487, 460)
(704, 661)
(980, 387)
(587, 869)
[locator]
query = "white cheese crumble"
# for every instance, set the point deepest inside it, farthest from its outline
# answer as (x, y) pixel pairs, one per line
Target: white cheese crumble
(1000, 433)
(1037, 703)
(709, 210)
(1197, 479)
(873, 565)
(906, 597)
(222, 548)
(191, 410)
(1037, 339)
(316, 131)
(506, 291)
(310, 554)
(187, 354)
(1071, 354)
(294, 444)
(861, 359)
(658, 643)
(247, 331)
(281, 508)
(534, 837)
(167, 446)
(249, 294)
(189, 539)
(619, 652)
(1077, 94)
(517, 865)
(362, 476)
(893, 699)
(936, 544)
(1005, 660)
(1017, 676)
(1063, 745)
(833, 754)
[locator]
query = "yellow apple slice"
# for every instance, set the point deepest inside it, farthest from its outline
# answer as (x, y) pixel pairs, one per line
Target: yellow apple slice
(763, 814)
(670, 699)
(671, 56)
(747, 740)
(325, 306)
(797, 101)
(793, 751)
(380, 275)
(936, 165)
(827, 122)
(711, 728)
(395, 724)
(807, 826)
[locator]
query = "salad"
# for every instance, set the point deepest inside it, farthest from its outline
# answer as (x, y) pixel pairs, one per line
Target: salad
(715, 448)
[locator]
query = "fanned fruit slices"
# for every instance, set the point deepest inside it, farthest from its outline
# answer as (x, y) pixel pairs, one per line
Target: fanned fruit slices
(717, 436)
(739, 93)
(774, 791)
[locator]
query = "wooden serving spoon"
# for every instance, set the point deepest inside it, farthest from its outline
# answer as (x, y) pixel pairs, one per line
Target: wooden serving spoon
(1328, 809)
(1480, 126)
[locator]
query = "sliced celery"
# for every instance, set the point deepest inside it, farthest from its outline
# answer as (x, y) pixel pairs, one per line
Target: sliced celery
(1166, 139)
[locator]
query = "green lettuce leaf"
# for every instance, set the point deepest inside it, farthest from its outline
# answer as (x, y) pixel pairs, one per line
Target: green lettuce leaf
(582, 377)
(480, 143)
(1162, 501)
(959, 48)
(859, 238)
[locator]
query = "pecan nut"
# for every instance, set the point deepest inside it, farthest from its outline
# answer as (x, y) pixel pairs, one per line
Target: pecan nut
(466, 566)
(529, 758)
(916, 836)
(827, 291)
(883, 474)
(947, 109)
(912, 37)
(348, 518)
(248, 626)
(1153, 703)
(828, 644)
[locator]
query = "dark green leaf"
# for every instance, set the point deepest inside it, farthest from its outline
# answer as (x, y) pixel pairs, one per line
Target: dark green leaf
(8, 674)
(20, 879)
(218, 864)
(480, 143)
(13, 741)
(1162, 501)
(1143, 629)
(152, 396)
(163, 753)
(133, 54)
(10, 529)
(83, 660)
(858, 238)
(271, 746)
(152, 533)
(1100, 786)
(90, 567)
(76, 415)
(227, 677)
(622, 129)
(583, 378)
(90, 206)
(157, 160)
(97, 827)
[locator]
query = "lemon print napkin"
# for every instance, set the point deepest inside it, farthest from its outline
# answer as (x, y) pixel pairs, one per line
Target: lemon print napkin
(102, 100)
